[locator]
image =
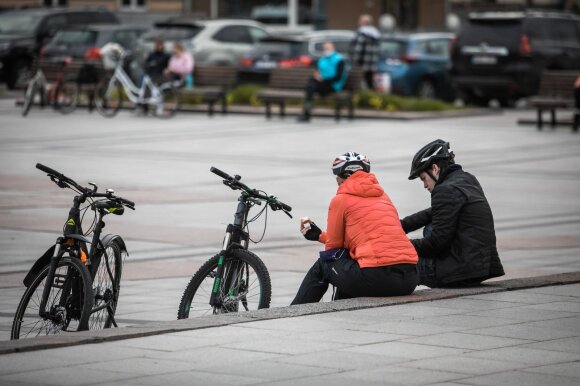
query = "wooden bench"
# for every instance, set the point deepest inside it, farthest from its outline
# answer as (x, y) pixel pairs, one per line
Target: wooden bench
(290, 84)
(212, 83)
(556, 92)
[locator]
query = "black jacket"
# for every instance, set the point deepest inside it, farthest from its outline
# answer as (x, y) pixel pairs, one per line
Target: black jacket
(462, 242)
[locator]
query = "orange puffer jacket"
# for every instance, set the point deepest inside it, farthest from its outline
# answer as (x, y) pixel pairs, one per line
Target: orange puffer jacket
(362, 218)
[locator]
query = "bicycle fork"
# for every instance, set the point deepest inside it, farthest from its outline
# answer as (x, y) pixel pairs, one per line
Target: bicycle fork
(50, 277)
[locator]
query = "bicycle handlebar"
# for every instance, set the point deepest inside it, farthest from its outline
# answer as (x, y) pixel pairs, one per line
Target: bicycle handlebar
(234, 183)
(86, 191)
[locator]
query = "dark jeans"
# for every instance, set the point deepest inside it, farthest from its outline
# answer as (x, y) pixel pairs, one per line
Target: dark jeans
(426, 265)
(353, 281)
(577, 97)
(370, 79)
(314, 86)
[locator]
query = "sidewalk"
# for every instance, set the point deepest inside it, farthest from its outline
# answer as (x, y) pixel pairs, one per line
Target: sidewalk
(524, 337)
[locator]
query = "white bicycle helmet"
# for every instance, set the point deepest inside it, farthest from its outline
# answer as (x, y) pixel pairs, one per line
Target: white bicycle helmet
(348, 163)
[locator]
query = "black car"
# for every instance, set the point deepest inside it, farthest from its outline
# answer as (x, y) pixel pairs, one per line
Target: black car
(84, 42)
(290, 51)
(501, 55)
(23, 33)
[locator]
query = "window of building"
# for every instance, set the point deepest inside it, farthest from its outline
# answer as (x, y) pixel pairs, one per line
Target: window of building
(133, 4)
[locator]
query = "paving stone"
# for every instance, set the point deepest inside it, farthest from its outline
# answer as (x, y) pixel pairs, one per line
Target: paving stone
(570, 345)
(571, 369)
(464, 365)
(283, 346)
(570, 324)
(340, 360)
(62, 376)
(402, 375)
(529, 355)
(572, 290)
(524, 331)
(405, 350)
(465, 341)
(521, 378)
(556, 306)
(268, 370)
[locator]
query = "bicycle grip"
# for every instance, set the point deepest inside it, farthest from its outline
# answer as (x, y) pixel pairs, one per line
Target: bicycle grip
(127, 202)
(48, 170)
(285, 207)
(220, 173)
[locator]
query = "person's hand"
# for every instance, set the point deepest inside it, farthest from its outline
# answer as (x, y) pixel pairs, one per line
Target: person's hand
(577, 82)
(309, 229)
(317, 76)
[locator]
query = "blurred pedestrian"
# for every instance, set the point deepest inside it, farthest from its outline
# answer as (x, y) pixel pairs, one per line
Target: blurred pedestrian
(577, 103)
(180, 64)
(365, 49)
(329, 77)
(366, 252)
(157, 61)
(459, 245)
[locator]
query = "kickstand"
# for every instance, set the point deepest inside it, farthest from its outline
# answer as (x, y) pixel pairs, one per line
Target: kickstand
(112, 316)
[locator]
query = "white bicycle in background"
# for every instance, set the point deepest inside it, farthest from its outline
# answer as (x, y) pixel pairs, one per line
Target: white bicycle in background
(163, 100)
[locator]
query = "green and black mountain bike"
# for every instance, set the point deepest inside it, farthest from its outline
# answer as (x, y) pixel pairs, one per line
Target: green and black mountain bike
(75, 285)
(235, 279)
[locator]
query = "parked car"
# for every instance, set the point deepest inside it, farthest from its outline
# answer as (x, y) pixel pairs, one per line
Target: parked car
(416, 65)
(501, 55)
(220, 42)
(290, 51)
(84, 42)
(23, 33)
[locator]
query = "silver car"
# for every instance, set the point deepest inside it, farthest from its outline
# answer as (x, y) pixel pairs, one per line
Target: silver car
(219, 42)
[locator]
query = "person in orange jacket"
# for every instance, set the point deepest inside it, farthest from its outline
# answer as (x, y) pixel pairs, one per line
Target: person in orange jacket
(366, 251)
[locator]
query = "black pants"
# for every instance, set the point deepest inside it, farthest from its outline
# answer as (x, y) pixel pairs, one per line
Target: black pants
(352, 281)
(577, 97)
(370, 79)
(314, 86)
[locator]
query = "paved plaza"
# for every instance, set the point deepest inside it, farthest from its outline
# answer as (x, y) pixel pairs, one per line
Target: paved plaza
(531, 178)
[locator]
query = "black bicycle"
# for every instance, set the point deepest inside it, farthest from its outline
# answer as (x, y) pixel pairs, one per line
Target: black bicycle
(235, 279)
(75, 285)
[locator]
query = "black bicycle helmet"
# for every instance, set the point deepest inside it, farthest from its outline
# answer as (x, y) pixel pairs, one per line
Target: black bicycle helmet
(428, 155)
(346, 164)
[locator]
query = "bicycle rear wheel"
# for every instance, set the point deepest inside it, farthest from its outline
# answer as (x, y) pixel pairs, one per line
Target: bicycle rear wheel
(245, 286)
(29, 95)
(106, 286)
(171, 100)
(66, 97)
(108, 97)
(69, 302)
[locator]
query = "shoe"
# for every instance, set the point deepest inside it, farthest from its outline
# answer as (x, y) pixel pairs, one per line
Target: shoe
(304, 118)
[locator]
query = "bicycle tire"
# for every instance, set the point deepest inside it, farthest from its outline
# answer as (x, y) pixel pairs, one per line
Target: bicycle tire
(106, 285)
(66, 96)
(75, 312)
(29, 94)
(108, 97)
(202, 282)
(171, 102)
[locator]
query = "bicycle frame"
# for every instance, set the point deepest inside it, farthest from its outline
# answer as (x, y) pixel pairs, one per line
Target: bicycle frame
(134, 93)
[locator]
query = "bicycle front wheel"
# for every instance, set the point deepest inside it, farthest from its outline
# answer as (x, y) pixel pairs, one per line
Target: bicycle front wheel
(108, 97)
(171, 100)
(244, 286)
(68, 304)
(29, 95)
(106, 286)
(66, 97)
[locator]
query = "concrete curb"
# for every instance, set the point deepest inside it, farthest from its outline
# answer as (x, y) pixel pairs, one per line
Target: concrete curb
(109, 335)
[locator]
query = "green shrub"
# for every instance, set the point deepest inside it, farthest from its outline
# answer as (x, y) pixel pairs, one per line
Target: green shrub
(245, 95)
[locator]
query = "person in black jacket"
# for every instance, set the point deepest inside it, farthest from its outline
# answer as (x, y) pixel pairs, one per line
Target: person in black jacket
(157, 61)
(459, 245)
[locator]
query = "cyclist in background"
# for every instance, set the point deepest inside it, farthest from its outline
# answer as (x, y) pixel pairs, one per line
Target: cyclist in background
(366, 250)
(459, 246)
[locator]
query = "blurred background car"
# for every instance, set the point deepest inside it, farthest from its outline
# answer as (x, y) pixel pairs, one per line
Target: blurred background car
(290, 51)
(23, 33)
(84, 42)
(501, 55)
(218, 42)
(416, 65)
